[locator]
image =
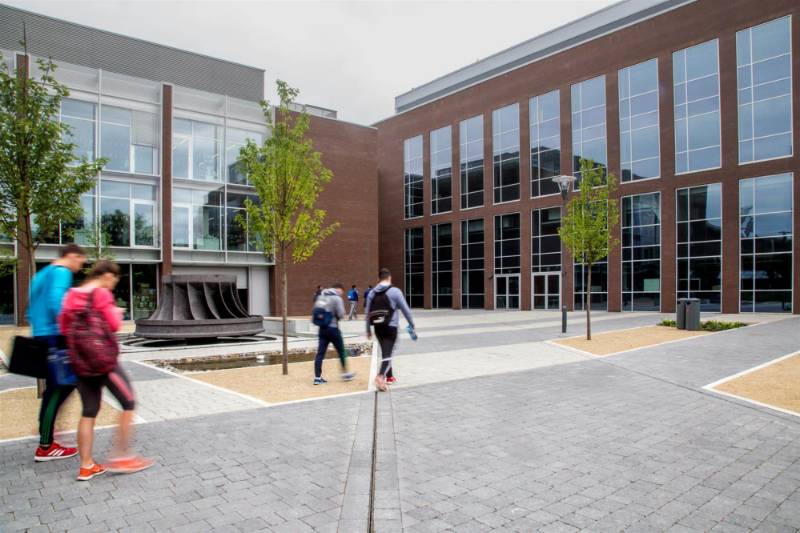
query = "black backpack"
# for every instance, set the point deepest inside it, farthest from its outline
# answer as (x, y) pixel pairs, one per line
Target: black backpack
(380, 309)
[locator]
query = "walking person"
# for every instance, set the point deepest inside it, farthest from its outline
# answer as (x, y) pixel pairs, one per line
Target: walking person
(47, 292)
(381, 309)
(328, 311)
(317, 292)
(352, 297)
(90, 313)
(366, 294)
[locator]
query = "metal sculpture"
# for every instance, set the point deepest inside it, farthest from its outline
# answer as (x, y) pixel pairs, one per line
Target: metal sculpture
(198, 307)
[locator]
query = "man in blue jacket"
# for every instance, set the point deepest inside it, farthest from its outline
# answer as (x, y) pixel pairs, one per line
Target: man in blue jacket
(352, 297)
(47, 292)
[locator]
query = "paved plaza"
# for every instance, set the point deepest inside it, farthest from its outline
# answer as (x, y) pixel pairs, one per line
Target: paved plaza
(490, 428)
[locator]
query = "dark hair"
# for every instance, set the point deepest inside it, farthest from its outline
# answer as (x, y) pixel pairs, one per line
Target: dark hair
(103, 267)
(384, 273)
(337, 286)
(71, 248)
(354, 287)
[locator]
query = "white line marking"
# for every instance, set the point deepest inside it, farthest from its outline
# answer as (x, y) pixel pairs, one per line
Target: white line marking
(754, 402)
(747, 371)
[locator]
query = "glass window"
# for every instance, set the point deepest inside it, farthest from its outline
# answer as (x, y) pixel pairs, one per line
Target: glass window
(764, 75)
(638, 121)
(238, 237)
(589, 124)
(235, 140)
(121, 203)
(505, 150)
(699, 259)
(472, 264)
(129, 140)
(641, 252)
(82, 231)
(196, 150)
(695, 74)
(599, 285)
(442, 266)
(765, 233)
(7, 297)
(545, 119)
(80, 117)
(441, 170)
(197, 219)
(545, 242)
(412, 177)
(507, 244)
(145, 289)
(415, 267)
(471, 162)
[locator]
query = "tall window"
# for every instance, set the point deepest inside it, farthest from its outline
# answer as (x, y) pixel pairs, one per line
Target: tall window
(545, 118)
(197, 219)
(638, 121)
(80, 117)
(415, 267)
(699, 219)
(506, 244)
(472, 264)
(235, 140)
(196, 150)
(599, 285)
(505, 150)
(545, 242)
(237, 236)
(641, 252)
(441, 170)
(129, 140)
(764, 74)
(128, 213)
(442, 265)
(471, 162)
(765, 230)
(589, 124)
(412, 177)
(695, 75)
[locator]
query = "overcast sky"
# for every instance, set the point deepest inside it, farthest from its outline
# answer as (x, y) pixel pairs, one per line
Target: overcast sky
(354, 57)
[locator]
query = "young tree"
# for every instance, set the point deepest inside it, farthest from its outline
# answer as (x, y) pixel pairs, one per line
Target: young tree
(586, 229)
(288, 175)
(41, 181)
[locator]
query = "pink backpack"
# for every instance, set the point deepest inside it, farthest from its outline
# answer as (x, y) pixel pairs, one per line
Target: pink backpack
(93, 347)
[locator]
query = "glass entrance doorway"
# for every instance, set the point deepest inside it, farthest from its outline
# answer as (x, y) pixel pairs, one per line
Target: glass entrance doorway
(506, 291)
(546, 290)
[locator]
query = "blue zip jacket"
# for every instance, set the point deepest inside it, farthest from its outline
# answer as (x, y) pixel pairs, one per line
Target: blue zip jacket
(48, 289)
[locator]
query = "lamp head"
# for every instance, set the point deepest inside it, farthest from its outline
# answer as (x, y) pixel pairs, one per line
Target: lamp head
(564, 183)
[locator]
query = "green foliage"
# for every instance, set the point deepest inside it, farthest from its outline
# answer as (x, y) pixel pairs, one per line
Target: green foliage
(41, 180)
(708, 325)
(668, 323)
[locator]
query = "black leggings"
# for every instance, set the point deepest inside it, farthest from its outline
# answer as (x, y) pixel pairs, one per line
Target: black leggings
(387, 336)
(91, 391)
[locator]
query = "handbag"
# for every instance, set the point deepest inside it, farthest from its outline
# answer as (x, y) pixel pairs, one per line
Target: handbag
(29, 357)
(59, 368)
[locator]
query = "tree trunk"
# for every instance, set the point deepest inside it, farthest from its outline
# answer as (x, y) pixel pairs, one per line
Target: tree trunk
(285, 311)
(588, 304)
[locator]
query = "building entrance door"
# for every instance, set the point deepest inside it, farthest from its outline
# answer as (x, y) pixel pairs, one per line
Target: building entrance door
(546, 290)
(506, 291)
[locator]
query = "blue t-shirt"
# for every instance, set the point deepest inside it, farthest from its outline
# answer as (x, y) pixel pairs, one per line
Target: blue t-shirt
(48, 288)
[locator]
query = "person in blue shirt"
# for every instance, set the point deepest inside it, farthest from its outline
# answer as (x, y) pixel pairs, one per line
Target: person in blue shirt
(47, 291)
(352, 297)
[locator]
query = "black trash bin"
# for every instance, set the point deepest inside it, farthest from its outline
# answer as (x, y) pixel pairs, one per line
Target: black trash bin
(680, 313)
(692, 314)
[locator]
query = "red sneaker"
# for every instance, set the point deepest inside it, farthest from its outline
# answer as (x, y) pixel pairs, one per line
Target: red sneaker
(53, 452)
(391, 380)
(85, 474)
(129, 465)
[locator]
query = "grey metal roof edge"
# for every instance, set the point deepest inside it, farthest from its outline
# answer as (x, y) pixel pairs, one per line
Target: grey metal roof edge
(587, 28)
(138, 39)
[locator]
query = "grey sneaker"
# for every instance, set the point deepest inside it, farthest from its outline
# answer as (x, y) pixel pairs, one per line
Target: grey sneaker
(348, 376)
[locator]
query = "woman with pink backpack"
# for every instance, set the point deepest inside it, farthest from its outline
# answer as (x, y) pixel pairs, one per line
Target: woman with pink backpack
(89, 319)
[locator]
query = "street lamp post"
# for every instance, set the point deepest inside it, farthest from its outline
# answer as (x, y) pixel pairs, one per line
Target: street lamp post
(564, 183)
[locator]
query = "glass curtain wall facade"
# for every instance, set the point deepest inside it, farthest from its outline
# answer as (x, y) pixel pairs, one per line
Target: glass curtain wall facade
(640, 156)
(545, 119)
(442, 266)
(235, 140)
(412, 177)
(765, 231)
(589, 125)
(505, 152)
(695, 76)
(415, 267)
(641, 252)
(472, 264)
(764, 80)
(507, 261)
(441, 171)
(699, 238)
(545, 242)
(471, 162)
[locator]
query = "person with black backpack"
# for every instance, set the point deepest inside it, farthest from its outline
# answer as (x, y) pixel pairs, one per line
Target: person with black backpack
(328, 311)
(381, 311)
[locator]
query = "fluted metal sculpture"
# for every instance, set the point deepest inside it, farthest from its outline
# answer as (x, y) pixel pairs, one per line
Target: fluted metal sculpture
(197, 307)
